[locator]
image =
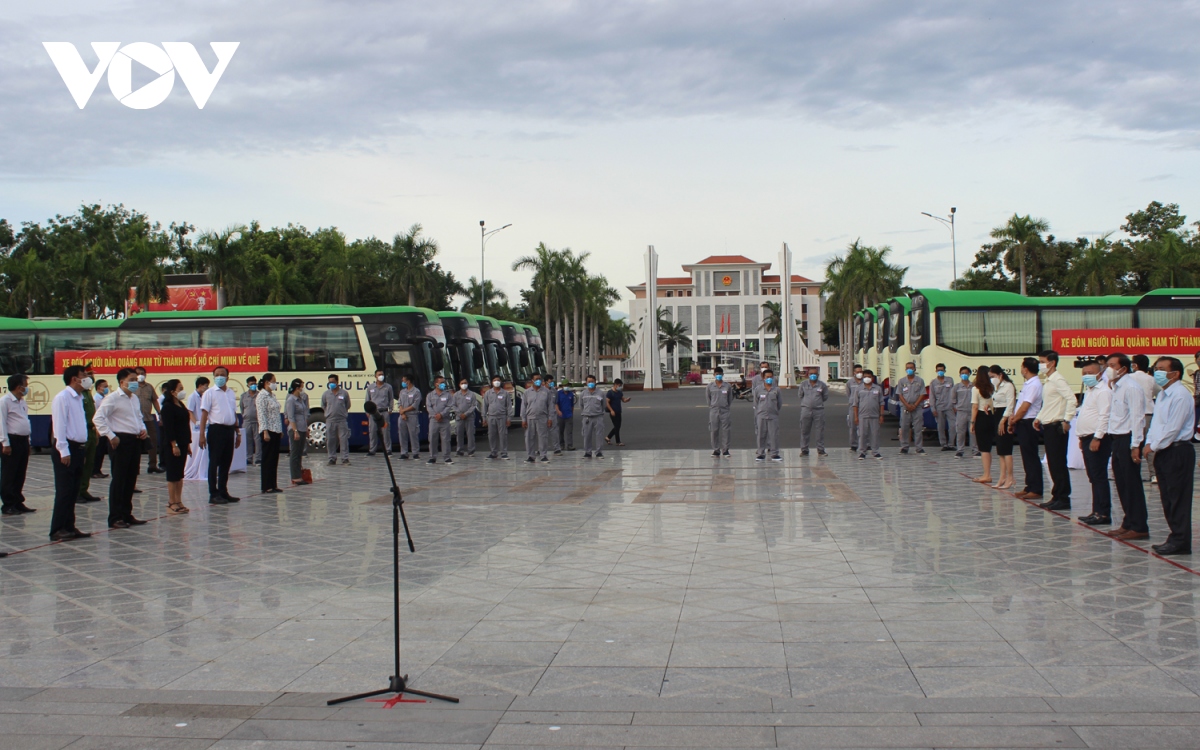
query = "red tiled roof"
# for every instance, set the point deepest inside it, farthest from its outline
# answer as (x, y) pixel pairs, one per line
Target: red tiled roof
(796, 279)
(675, 280)
(726, 259)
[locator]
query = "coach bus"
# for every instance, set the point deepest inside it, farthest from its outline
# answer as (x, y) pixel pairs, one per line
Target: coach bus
(859, 339)
(464, 342)
(494, 349)
(537, 350)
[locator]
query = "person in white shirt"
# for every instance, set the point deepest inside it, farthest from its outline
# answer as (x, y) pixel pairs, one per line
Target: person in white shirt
(219, 433)
(1004, 403)
(1029, 404)
(1054, 420)
(14, 437)
(1126, 425)
(119, 419)
(1169, 445)
(1142, 375)
(1095, 442)
(69, 426)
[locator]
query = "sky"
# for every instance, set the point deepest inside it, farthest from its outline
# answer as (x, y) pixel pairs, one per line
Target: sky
(699, 127)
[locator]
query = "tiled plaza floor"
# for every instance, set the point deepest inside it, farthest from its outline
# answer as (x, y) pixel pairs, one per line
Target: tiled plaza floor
(656, 598)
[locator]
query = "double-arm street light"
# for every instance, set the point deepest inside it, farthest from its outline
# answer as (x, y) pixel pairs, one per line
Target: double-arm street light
(483, 238)
(953, 248)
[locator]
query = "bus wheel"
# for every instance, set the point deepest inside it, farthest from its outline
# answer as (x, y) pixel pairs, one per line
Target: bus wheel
(316, 432)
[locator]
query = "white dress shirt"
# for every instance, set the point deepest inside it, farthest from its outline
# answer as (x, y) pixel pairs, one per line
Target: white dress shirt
(1031, 393)
(1095, 412)
(1174, 417)
(1058, 400)
(14, 417)
(119, 413)
(221, 406)
(1149, 388)
(1003, 397)
(1128, 413)
(70, 423)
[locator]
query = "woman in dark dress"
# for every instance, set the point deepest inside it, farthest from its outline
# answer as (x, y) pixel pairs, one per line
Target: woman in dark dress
(177, 437)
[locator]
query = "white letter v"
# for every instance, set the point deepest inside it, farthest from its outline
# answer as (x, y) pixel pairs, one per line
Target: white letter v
(80, 81)
(199, 82)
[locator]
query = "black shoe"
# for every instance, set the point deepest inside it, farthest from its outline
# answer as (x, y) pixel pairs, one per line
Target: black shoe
(862, 456)
(333, 462)
(529, 460)
(921, 451)
(431, 461)
(777, 457)
(1170, 549)
(1056, 505)
(957, 454)
(273, 490)
(448, 461)
(946, 448)
(217, 500)
(155, 471)
(27, 509)
(904, 450)
(558, 453)
(135, 522)
(67, 535)
(570, 449)
(231, 499)
(136, 491)
(3, 554)
(803, 453)
(599, 454)
(587, 454)
(460, 454)
(13, 511)
(760, 458)
(370, 453)
(822, 453)
(492, 456)
(716, 454)
(725, 454)
(345, 462)
(118, 525)
(472, 453)
(545, 460)
(404, 457)
(1096, 520)
(87, 499)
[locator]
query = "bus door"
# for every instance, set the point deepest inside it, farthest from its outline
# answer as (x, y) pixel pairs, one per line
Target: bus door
(398, 361)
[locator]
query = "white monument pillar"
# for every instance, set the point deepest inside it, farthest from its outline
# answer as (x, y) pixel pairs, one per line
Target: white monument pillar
(787, 345)
(650, 324)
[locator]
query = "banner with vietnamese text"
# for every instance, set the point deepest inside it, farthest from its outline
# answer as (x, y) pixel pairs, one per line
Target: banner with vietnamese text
(1127, 340)
(238, 359)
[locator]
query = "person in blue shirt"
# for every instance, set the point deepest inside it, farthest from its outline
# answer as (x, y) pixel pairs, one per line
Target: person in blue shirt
(565, 410)
(614, 399)
(1169, 446)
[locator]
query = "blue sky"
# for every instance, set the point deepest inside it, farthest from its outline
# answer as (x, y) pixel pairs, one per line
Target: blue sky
(699, 127)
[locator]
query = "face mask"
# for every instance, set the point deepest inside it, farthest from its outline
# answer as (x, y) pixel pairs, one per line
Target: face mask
(941, 373)
(462, 386)
(441, 386)
(332, 386)
(1042, 366)
(858, 375)
(1090, 381)
(180, 395)
(87, 384)
(813, 377)
(495, 383)
(403, 385)
(141, 378)
(1111, 373)
(103, 391)
(538, 383)
(719, 378)
(1160, 377)
(132, 386)
(379, 378)
(995, 382)
(271, 386)
(253, 387)
(220, 380)
(964, 376)
(867, 380)
(909, 371)
(770, 381)
(592, 386)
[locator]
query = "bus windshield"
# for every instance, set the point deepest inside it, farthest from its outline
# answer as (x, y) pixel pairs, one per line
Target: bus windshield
(465, 348)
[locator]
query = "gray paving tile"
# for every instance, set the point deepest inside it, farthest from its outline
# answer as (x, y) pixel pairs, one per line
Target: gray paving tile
(982, 681)
(600, 681)
(959, 737)
(635, 736)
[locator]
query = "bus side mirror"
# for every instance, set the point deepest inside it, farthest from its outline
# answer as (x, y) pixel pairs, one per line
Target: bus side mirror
(439, 361)
(477, 358)
(524, 358)
(501, 357)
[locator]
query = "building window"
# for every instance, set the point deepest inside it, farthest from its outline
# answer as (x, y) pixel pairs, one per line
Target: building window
(804, 309)
(703, 345)
(728, 319)
(804, 290)
(670, 293)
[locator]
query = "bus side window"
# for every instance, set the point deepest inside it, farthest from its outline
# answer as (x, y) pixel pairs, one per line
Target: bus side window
(237, 338)
(16, 353)
(68, 340)
(321, 348)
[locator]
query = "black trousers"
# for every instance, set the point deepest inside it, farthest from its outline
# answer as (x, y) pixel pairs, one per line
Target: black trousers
(1057, 442)
(270, 461)
(66, 485)
(1130, 490)
(616, 427)
(1097, 472)
(220, 439)
(1173, 466)
(1031, 462)
(12, 471)
(124, 462)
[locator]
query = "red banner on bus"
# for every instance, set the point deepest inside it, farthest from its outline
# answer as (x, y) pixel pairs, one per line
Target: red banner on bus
(241, 359)
(1127, 340)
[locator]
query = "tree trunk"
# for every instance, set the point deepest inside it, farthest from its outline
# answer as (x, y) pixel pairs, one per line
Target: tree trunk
(84, 300)
(1023, 275)
(563, 359)
(546, 311)
(412, 297)
(578, 351)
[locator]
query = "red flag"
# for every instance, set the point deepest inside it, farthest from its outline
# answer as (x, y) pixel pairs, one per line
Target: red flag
(721, 327)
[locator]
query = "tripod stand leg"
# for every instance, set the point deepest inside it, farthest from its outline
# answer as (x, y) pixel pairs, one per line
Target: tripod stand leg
(435, 696)
(360, 696)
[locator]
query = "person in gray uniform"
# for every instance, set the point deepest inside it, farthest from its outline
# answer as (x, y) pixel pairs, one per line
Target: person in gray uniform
(497, 418)
(552, 395)
(253, 438)
(756, 381)
(382, 395)
(591, 406)
(335, 402)
(465, 409)
(438, 404)
(911, 392)
(408, 407)
(852, 386)
(962, 410)
(768, 400)
(720, 422)
(813, 395)
(941, 400)
(535, 418)
(868, 415)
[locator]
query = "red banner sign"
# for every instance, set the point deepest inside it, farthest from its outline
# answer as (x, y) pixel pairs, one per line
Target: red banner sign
(1127, 340)
(249, 359)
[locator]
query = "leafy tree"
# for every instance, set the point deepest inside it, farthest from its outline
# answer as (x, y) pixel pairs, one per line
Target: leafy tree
(1018, 238)
(475, 295)
(1097, 270)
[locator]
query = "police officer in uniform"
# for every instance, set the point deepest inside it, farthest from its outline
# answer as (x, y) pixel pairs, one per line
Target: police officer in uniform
(438, 404)
(868, 415)
(941, 399)
(591, 406)
(497, 417)
(381, 394)
(408, 403)
(911, 391)
(768, 400)
(813, 395)
(720, 398)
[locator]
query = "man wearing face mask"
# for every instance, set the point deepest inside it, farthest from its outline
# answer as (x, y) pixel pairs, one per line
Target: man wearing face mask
(756, 381)
(253, 438)
(911, 392)
(564, 418)
(93, 441)
(720, 399)
(497, 418)
(1126, 425)
(119, 418)
(592, 404)
(335, 402)
(1142, 374)
(852, 387)
(147, 395)
(868, 415)
(438, 405)
(1095, 442)
(465, 409)
(941, 400)
(1054, 420)
(14, 455)
(381, 394)
(962, 411)
(1169, 446)
(1029, 405)
(408, 404)
(219, 434)
(535, 418)
(552, 396)
(813, 395)
(69, 438)
(768, 401)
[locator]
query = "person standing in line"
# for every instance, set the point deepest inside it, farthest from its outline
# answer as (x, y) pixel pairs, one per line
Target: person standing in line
(535, 418)
(252, 436)
(852, 386)
(497, 418)
(147, 397)
(592, 403)
(1169, 446)
(1126, 425)
(1095, 442)
(813, 395)
(941, 400)
(296, 413)
(1054, 420)
(552, 413)
(1029, 406)
(1196, 390)
(14, 455)
(1003, 400)
(564, 414)
(408, 404)
(69, 443)
(89, 456)
(177, 437)
(120, 418)
(219, 434)
(1142, 375)
(381, 394)
(720, 421)
(465, 410)
(199, 457)
(335, 402)
(270, 423)
(438, 405)
(962, 411)
(615, 397)
(756, 381)
(983, 420)
(767, 404)
(98, 393)
(911, 391)
(868, 415)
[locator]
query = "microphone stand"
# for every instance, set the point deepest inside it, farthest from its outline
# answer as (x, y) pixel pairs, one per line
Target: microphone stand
(397, 683)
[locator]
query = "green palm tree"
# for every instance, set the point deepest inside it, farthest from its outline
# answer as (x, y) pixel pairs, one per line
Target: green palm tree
(671, 335)
(1176, 262)
(772, 321)
(341, 267)
(281, 280)
(474, 294)
(1097, 270)
(619, 335)
(1020, 236)
(860, 278)
(143, 268)
(546, 265)
(222, 256)
(408, 268)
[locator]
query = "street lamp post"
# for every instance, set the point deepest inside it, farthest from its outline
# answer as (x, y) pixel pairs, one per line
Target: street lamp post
(483, 238)
(953, 245)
